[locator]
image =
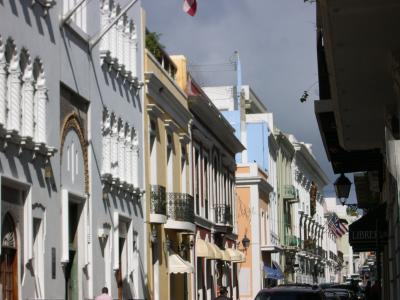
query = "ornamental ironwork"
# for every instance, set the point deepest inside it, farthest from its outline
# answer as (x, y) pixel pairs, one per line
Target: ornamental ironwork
(158, 203)
(180, 207)
(292, 241)
(223, 214)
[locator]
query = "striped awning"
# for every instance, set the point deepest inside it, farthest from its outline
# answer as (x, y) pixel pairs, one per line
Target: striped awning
(204, 249)
(236, 255)
(176, 264)
(216, 251)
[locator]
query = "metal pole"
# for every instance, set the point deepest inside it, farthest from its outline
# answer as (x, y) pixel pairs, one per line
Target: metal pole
(94, 40)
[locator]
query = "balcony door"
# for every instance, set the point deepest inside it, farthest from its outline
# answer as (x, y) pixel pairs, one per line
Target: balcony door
(9, 260)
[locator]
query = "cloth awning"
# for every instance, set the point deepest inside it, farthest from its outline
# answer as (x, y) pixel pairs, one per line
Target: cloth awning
(225, 255)
(217, 252)
(236, 255)
(278, 270)
(204, 249)
(370, 232)
(270, 273)
(176, 264)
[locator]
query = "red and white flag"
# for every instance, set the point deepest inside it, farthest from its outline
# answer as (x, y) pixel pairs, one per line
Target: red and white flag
(190, 7)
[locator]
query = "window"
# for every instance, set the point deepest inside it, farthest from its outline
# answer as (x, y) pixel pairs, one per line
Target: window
(197, 180)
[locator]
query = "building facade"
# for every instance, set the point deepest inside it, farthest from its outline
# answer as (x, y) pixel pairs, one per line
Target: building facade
(171, 226)
(72, 210)
(217, 257)
(359, 121)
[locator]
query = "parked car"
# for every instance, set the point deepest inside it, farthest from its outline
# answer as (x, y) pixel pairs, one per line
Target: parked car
(291, 292)
(331, 296)
(355, 288)
(341, 294)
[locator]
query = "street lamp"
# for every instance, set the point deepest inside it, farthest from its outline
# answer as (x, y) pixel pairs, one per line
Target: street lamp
(246, 242)
(342, 188)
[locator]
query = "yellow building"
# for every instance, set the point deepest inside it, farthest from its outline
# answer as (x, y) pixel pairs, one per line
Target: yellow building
(170, 208)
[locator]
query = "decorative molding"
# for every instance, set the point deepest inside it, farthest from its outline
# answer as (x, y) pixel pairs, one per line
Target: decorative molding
(72, 122)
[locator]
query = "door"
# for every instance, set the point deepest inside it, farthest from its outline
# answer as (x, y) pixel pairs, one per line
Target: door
(118, 274)
(8, 260)
(71, 276)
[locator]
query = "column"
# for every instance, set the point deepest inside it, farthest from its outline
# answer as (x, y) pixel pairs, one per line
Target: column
(106, 159)
(41, 103)
(27, 102)
(128, 156)
(126, 44)
(120, 41)
(113, 33)
(14, 94)
(104, 21)
(3, 84)
(133, 52)
(121, 151)
(135, 164)
(114, 147)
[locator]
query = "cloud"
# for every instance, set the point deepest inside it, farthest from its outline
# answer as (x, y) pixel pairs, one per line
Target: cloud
(276, 42)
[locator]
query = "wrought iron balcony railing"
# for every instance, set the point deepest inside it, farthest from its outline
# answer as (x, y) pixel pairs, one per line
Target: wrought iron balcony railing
(158, 201)
(180, 207)
(223, 214)
(292, 241)
(289, 193)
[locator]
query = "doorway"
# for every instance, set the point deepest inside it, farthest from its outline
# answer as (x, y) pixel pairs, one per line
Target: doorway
(9, 260)
(71, 270)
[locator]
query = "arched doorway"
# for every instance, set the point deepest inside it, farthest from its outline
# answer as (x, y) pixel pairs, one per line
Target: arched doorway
(74, 181)
(9, 259)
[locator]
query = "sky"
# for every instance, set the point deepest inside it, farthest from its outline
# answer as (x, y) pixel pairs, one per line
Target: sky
(276, 41)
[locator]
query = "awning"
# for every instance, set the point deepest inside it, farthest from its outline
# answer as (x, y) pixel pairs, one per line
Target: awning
(278, 270)
(236, 255)
(370, 232)
(270, 273)
(217, 252)
(176, 264)
(226, 255)
(204, 249)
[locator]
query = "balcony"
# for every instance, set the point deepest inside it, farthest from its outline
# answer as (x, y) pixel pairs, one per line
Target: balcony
(158, 204)
(180, 211)
(223, 214)
(292, 241)
(310, 246)
(290, 193)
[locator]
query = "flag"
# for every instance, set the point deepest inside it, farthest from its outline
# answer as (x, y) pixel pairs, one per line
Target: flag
(341, 228)
(190, 7)
(332, 225)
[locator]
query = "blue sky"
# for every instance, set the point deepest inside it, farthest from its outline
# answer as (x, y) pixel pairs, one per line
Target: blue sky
(276, 42)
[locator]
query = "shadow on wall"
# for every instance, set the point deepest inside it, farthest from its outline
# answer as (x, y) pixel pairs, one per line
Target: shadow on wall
(36, 12)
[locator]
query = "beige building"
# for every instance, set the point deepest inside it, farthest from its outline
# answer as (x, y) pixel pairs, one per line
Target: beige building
(170, 204)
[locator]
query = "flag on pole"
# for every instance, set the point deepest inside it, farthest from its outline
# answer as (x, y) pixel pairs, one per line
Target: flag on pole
(190, 7)
(332, 225)
(341, 227)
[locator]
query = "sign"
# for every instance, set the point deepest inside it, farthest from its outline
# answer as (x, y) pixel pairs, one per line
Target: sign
(370, 232)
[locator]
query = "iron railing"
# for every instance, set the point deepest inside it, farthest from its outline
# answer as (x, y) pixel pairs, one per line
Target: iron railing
(223, 214)
(158, 203)
(292, 241)
(180, 207)
(290, 193)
